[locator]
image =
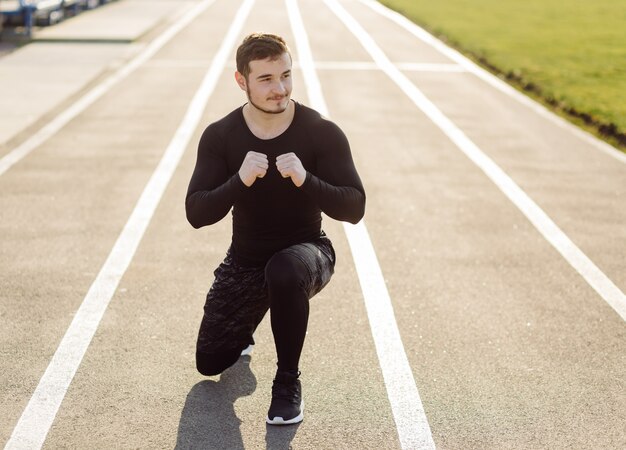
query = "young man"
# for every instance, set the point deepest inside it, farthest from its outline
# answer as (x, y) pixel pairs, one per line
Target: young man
(278, 165)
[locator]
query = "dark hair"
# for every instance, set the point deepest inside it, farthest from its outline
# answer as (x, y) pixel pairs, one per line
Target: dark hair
(259, 46)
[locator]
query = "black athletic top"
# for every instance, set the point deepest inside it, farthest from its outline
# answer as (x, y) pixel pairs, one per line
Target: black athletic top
(273, 213)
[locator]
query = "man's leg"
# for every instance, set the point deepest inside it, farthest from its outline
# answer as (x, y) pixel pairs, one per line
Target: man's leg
(215, 363)
(293, 275)
(289, 307)
(235, 305)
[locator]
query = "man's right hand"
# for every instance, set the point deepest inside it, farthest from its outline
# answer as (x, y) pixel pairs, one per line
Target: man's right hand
(254, 166)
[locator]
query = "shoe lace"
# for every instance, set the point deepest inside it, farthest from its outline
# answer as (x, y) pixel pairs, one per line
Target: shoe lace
(286, 390)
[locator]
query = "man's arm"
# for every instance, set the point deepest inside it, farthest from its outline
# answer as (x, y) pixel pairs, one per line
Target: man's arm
(212, 190)
(336, 187)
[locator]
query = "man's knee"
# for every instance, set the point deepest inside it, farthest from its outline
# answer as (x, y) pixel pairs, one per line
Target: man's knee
(285, 272)
(209, 364)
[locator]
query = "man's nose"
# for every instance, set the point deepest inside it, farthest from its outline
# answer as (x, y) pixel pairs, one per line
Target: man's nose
(279, 86)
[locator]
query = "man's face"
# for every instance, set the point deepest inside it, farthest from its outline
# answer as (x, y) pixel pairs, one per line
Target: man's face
(268, 85)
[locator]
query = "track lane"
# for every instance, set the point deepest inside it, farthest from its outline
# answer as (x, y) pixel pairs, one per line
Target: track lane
(404, 398)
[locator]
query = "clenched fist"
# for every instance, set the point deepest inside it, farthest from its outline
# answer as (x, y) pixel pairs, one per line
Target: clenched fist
(254, 166)
(289, 165)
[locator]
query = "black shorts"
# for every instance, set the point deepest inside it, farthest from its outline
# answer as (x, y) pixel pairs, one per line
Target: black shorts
(238, 299)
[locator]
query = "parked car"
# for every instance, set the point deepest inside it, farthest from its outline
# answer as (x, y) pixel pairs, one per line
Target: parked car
(90, 4)
(43, 12)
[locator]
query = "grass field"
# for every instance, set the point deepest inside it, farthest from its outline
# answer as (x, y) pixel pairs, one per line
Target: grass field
(569, 53)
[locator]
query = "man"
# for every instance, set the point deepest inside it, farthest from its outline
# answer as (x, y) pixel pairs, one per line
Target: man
(278, 165)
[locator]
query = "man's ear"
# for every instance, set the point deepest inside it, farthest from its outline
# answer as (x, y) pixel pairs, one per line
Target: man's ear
(241, 80)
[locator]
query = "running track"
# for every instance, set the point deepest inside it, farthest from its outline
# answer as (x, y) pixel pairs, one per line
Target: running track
(479, 305)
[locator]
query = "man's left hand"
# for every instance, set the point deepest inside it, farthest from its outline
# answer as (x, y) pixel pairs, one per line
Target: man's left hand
(289, 165)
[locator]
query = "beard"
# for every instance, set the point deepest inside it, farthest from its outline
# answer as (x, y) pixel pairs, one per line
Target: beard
(267, 111)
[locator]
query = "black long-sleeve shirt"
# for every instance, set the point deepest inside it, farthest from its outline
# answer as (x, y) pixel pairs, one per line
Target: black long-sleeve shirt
(273, 213)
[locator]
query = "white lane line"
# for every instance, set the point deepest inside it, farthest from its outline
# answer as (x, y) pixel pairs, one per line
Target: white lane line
(408, 411)
(175, 64)
(492, 80)
(32, 428)
(50, 129)
(431, 67)
(368, 65)
(344, 65)
(337, 65)
(542, 222)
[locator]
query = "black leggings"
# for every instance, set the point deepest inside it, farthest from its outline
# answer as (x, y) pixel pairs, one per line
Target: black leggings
(240, 297)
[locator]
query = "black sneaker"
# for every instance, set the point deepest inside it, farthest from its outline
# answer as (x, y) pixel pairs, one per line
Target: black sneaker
(287, 406)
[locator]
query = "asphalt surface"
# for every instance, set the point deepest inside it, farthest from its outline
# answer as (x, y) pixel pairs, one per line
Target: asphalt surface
(509, 346)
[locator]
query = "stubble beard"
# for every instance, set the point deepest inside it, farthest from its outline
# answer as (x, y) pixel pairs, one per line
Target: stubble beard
(267, 111)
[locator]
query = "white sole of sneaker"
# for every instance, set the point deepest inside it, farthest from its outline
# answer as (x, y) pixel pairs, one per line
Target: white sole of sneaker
(248, 350)
(280, 421)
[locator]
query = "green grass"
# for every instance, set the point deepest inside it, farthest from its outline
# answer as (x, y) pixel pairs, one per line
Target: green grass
(571, 54)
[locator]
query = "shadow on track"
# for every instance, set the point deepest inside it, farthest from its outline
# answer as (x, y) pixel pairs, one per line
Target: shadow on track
(279, 438)
(208, 420)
